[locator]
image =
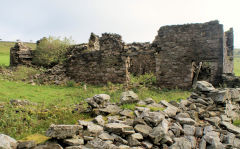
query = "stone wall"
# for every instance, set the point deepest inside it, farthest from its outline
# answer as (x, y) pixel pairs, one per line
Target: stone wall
(202, 121)
(108, 59)
(182, 47)
(99, 67)
(20, 54)
(175, 56)
(228, 51)
(93, 43)
(142, 58)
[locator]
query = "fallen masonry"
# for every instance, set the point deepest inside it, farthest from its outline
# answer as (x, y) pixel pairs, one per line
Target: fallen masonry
(203, 121)
(179, 56)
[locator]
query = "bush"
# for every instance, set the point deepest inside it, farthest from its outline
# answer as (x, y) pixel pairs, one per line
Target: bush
(71, 83)
(147, 79)
(51, 51)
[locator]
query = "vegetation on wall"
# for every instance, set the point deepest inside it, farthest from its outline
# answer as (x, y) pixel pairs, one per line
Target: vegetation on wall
(57, 104)
(51, 51)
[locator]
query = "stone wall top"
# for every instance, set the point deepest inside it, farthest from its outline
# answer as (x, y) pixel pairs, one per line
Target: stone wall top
(111, 42)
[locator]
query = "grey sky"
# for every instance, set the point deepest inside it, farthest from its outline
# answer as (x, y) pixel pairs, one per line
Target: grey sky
(135, 20)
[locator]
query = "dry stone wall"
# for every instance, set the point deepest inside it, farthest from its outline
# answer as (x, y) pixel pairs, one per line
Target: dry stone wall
(142, 58)
(93, 43)
(111, 61)
(182, 47)
(228, 51)
(202, 121)
(101, 66)
(20, 55)
(176, 56)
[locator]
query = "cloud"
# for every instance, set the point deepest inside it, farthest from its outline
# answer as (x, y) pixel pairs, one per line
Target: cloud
(135, 20)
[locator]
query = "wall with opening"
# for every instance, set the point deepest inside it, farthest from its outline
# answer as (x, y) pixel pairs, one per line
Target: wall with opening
(179, 46)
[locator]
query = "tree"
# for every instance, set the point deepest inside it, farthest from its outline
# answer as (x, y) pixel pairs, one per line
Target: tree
(51, 51)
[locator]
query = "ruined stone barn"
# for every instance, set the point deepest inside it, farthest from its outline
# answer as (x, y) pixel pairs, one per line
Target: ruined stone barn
(174, 56)
(179, 56)
(181, 49)
(20, 54)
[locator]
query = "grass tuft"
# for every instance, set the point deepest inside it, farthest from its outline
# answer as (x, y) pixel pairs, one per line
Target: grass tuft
(236, 123)
(38, 138)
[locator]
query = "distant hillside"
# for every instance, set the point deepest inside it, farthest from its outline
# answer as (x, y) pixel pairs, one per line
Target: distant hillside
(237, 52)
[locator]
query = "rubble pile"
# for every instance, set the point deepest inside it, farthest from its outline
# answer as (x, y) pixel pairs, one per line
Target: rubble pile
(203, 121)
(55, 75)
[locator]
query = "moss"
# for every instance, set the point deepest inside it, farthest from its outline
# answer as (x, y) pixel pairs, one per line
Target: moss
(38, 138)
(156, 109)
(131, 106)
(236, 123)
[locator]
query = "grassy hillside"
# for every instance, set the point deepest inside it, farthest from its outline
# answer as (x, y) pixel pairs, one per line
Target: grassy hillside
(237, 62)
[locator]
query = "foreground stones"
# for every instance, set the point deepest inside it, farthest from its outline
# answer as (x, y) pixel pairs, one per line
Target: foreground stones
(128, 97)
(202, 121)
(7, 142)
(63, 131)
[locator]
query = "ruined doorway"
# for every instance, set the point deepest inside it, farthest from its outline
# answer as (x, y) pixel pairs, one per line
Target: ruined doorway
(200, 72)
(196, 68)
(205, 72)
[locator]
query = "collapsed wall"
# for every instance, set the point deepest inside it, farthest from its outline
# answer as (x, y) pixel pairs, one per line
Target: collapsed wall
(107, 59)
(20, 55)
(179, 56)
(228, 51)
(99, 66)
(182, 48)
(202, 121)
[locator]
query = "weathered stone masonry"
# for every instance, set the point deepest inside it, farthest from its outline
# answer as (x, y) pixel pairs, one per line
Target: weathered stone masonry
(183, 46)
(174, 56)
(108, 60)
(20, 54)
(142, 58)
(100, 66)
(228, 51)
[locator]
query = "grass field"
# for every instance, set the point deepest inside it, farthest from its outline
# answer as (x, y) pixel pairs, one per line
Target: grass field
(237, 62)
(54, 103)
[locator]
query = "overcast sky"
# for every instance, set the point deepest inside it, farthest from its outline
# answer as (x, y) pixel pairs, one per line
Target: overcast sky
(135, 20)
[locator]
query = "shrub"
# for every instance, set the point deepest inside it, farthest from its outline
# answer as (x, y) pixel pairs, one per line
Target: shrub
(71, 83)
(51, 51)
(147, 79)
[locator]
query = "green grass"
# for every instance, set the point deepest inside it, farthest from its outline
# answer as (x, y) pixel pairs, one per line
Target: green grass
(236, 123)
(56, 103)
(237, 62)
(61, 95)
(4, 59)
(237, 65)
(22, 121)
